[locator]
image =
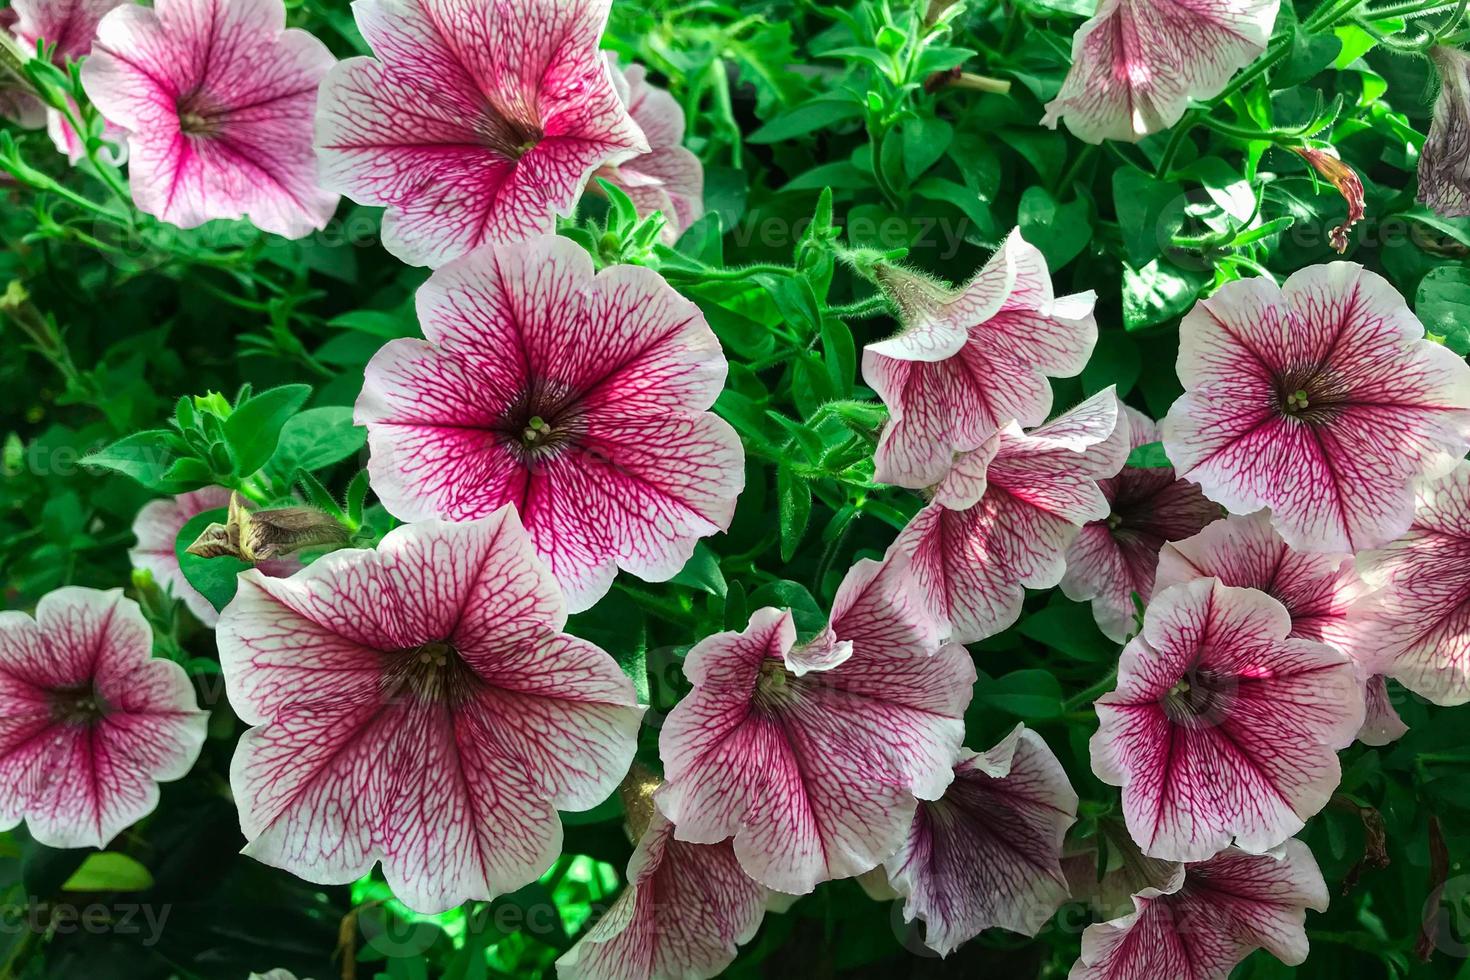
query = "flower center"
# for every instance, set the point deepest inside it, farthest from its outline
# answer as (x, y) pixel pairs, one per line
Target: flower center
(432, 671)
(512, 138)
(1312, 395)
(79, 705)
(774, 686)
(195, 115)
(1200, 699)
(544, 422)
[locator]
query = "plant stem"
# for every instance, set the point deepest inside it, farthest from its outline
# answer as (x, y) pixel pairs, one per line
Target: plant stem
(1092, 693)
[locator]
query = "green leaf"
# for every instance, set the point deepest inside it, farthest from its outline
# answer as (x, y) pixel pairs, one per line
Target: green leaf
(145, 456)
(1069, 627)
(1115, 360)
(805, 118)
(925, 140)
(1149, 456)
(1150, 212)
(213, 578)
(786, 594)
(315, 439)
(795, 504)
(971, 202)
(1030, 693)
(1443, 306)
(1159, 291)
(839, 353)
(109, 871)
(254, 428)
(702, 571)
(1061, 231)
(378, 323)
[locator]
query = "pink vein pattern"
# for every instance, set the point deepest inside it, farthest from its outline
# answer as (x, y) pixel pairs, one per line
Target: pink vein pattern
(1115, 557)
(1137, 63)
(1220, 911)
(579, 399)
(1322, 593)
(68, 28)
(419, 705)
(811, 755)
(90, 723)
(217, 98)
(1321, 400)
(1222, 729)
(1002, 520)
(686, 910)
(1418, 616)
(668, 178)
(969, 361)
(476, 121)
(988, 853)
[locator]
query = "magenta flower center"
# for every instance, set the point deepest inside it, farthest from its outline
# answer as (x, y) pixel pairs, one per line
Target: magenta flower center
(77, 705)
(510, 137)
(432, 672)
(542, 423)
(196, 116)
(1200, 699)
(1312, 395)
(775, 687)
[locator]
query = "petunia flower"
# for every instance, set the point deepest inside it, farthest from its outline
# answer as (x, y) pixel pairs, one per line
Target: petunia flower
(1319, 399)
(1444, 163)
(68, 28)
(988, 853)
(419, 705)
(217, 98)
(668, 178)
(580, 399)
(969, 361)
(1329, 165)
(1219, 912)
(1322, 593)
(476, 122)
(811, 754)
(1222, 729)
(1418, 617)
(1114, 558)
(685, 911)
(19, 102)
(1137, 64)
(1002, 521)
(90, 722)
(157, 528)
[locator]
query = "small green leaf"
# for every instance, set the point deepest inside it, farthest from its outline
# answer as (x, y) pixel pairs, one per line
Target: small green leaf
(254, 427)
(925, 140)
(806, 118)
(702, 571)
(109, 871)
(213, 578)
(1031, 693)
(315, 439)
(786, 594)
(145, 456)
(1149, 456)
(795, 499)
(1443, 306)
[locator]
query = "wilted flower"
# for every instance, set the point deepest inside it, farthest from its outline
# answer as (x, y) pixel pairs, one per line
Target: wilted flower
(580, 399)
(988, 852)
(263, 535)
(969, 361)
(1113, 558)
(1137, 63)
(1210, 918)
(1222, 729)
(476, 121)
(217, 99)
(1319, 399)
(1321, 593)
(67, 27)
(811, 755)
(686, 910)
(1418, 618)
(668, 178)
(1329, 165)
(1444, 163)
(1002, 520)
(90, 722)
(419, 705)
(157, 528)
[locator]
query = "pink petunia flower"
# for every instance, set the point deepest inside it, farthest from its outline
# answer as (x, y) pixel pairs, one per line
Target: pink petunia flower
(90, 722)
(811, 754)
(477, 122)
(157, 528)
(216, 97)
(668, 178)
(685, 911)
(1322, 593)
(68, 27)
(580, 399)
(1116, 556)
(1221, 728)
(1210, 918)
(1004, 517)
(1321, 400)
(1137, 64)
(1418, 617)
(969, 361)
(419, 705)
(1444, 163)
(988, 853)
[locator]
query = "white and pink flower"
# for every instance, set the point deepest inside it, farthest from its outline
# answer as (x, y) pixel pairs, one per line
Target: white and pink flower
(969, 361)
(668, 178)
(1222, 728)
(67, 27)
(90, 722)
(811, 754)
(988, 852)
(475, 122)
(419, 705)
(217, 98)
(579, 399)
(1137, 64)
(1320, 399)
(1115, 557)
(1002, 520)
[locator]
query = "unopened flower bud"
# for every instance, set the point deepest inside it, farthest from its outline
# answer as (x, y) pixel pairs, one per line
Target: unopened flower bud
(1444, 163)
